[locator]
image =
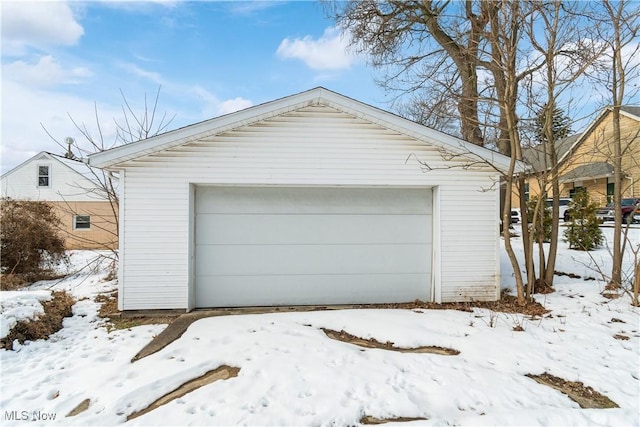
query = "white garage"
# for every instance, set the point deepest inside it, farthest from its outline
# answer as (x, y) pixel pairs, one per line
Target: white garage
(257, 246)
(310, 199)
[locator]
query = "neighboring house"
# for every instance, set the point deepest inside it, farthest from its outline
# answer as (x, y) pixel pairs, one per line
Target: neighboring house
(586, 159)
(88, 220)
(310, 199)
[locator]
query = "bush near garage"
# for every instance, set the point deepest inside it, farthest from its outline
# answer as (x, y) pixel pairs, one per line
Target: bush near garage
(583, 232)
(30, 242)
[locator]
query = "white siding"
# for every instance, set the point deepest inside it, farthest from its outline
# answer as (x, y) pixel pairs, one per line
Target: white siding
(65, 184)
(313, 146)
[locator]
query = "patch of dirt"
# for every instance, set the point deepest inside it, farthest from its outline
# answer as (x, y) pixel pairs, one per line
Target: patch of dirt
(612, 291)
(108, 304)
(621, 337)
(583, 395)
(506, 304)
(373, 343)
(370, 420)
(82, 406)
(48, 323)
(616, 320)
(109, 310)
(573, 275)
(542, 287)
(223, 372)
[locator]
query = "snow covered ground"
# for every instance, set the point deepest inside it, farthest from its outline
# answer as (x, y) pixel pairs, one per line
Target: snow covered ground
(292, 374)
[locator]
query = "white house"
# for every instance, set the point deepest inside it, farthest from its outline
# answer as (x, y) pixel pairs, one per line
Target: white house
(72, 188)
(310, 199)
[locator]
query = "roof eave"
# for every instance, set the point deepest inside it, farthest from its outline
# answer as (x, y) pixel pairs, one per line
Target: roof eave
(318, 96)
(201, 130)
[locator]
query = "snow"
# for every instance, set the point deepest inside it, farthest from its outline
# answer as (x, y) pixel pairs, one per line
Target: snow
(17, 305)
(293, 374)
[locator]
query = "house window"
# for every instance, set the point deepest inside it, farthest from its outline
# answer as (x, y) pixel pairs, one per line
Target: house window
(81, 222)
(44, 177)
(575, 190)
(526, 192)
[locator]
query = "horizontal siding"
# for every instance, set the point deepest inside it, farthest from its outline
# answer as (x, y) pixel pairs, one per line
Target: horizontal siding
(315, 146)
(65, 184)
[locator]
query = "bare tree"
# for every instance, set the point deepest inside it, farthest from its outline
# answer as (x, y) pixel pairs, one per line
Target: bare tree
(618, 29)
(480, 54)
(421, 43)
(132, 126)
(567, 51)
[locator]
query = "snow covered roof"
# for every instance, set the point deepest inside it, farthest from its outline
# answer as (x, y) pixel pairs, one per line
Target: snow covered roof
(317, 96)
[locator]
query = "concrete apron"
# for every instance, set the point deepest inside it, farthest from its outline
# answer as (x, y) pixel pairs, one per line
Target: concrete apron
(175, 329)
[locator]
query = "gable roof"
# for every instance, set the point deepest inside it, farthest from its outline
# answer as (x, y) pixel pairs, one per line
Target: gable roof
(535, 155)
(630, 111)
(589, 171)
(317, 96)
(79, 167)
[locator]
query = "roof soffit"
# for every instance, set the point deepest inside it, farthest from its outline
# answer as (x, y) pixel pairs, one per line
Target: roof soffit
(314, 97)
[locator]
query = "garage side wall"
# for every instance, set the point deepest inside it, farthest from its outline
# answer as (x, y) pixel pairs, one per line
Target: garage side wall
(314, 146)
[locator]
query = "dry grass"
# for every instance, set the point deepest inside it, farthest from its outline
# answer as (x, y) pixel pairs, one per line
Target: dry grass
(108, 304)
(223, 372)
(506, 304)
(373, 343)
(11, 282)
(55, 310)
(583, 395)
(370, 420)
(109, 310)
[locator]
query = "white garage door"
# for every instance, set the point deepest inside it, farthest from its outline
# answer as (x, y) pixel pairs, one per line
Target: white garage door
(262, 246)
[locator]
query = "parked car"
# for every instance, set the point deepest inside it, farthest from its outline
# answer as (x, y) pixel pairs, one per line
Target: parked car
(563, 206)
(516, 217)
(630, 208)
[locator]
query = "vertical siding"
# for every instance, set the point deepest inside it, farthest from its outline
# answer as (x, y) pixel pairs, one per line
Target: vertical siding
(308, 147)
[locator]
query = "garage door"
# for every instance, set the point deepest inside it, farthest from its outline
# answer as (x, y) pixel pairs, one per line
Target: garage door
(263, 246)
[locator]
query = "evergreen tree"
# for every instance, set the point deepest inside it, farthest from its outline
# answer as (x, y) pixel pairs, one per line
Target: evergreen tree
(583, 232)
(561, 126)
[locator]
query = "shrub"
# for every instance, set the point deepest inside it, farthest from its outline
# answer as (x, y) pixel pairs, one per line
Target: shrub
(583, 232)
(29, 239)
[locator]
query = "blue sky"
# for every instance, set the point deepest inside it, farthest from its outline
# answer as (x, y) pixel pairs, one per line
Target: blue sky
(210, 58)
(60, 58)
